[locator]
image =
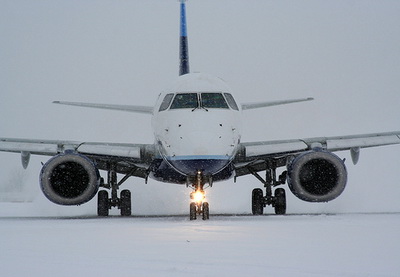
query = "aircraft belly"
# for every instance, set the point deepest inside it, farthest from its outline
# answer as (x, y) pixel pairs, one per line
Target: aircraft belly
(162, 171)
(174, 172)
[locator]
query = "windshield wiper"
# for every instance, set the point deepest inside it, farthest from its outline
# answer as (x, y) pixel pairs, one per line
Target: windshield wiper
(199, 107)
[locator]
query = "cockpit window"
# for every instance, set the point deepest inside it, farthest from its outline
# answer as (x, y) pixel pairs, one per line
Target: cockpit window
(213, 100)
(185, 101)
(208, 100)
(165, 103)
(231, 101)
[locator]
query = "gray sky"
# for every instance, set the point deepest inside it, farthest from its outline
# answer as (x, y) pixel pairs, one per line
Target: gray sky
(345, 54)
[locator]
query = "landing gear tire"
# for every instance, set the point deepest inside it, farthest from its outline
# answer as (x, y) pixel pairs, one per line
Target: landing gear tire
(193, 211)
(102, 203)
(125, 203)
(280, 201)
(257, 203)
(206, 211)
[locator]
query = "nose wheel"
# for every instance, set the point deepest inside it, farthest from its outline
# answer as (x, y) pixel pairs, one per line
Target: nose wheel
(198, 205)
(202, 209)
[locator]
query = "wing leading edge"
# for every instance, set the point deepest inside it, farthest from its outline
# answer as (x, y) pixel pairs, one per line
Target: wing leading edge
(248, 106)
(126, 108)
(127, 156)
(255, 153)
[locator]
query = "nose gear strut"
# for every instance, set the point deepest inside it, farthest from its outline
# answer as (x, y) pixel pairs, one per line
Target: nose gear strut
(199, 206)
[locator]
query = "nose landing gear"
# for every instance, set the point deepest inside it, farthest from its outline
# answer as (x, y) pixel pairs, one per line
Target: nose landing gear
(199, 206)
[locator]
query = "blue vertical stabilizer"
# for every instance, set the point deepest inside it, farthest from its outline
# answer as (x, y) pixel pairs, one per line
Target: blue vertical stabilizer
(183, 42)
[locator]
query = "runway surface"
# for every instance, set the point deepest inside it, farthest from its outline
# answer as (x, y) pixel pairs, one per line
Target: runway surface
(226, 245)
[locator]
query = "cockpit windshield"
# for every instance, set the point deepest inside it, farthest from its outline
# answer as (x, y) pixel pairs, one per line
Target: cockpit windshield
(205, 100)
(185, 101)
(213, 100)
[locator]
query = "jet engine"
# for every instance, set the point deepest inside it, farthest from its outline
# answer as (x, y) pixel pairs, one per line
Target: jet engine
(69, 179)
(317, 176)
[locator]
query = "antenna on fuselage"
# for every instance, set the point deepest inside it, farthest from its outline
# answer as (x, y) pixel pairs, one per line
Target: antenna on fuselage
(183, 42)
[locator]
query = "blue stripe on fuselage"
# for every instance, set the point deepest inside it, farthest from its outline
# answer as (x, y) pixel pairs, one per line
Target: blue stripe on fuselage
(189, 165)
(199, 157)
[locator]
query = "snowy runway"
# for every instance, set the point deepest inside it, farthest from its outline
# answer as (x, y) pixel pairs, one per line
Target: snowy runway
(294, 245)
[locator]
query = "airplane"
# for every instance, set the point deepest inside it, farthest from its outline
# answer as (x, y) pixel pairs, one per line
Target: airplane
(197, 142)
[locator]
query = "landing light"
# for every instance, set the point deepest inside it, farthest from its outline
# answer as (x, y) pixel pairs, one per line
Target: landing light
(198, 196)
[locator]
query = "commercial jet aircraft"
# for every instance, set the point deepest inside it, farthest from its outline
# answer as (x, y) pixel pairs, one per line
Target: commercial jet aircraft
(197, 131)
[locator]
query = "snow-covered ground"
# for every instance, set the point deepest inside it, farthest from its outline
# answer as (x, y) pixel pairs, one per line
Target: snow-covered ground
(292, 245)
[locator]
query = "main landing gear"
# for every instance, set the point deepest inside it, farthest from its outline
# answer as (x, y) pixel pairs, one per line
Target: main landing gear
(104, 203)
(278, 200)
(199, 206)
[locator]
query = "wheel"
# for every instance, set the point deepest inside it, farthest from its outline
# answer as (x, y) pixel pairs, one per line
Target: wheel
(206, 211)
(102, 203)
(193, 211)
(257, 203)
(125, 203)
(280, 201)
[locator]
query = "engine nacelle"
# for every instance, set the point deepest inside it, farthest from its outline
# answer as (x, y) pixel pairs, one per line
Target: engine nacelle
(317, 176)
(69, 179)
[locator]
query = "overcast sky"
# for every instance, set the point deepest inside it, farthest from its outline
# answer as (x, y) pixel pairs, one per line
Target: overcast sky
(345, 54)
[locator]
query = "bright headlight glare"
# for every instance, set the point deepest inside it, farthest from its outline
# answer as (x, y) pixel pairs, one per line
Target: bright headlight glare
(198, 196)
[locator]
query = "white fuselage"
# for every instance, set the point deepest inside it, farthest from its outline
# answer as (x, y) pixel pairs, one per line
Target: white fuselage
(197, 137)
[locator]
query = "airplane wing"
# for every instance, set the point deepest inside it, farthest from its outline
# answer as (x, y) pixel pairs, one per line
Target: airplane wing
(248, 106)
(253, 155)
(127, 108)
(127, 157)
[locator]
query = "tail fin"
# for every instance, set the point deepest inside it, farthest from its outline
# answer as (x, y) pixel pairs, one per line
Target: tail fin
(183, 43)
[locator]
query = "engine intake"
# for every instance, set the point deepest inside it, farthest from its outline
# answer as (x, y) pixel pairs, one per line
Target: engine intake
(317, 176)
(69, 179)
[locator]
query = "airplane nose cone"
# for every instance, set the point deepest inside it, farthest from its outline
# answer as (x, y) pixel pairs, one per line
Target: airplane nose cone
(202, 150)
(200, 142)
